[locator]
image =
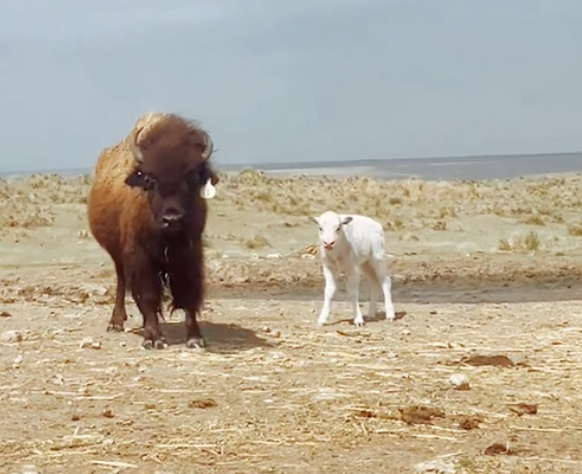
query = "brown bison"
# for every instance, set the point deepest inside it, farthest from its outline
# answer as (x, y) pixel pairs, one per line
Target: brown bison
(147, 209)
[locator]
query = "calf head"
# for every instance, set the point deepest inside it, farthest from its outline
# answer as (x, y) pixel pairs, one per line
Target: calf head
(172, 167)
(330, 228)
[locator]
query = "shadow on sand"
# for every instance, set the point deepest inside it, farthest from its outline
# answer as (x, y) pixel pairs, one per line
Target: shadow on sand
(470, 291)
(219, 338)
(380, 317)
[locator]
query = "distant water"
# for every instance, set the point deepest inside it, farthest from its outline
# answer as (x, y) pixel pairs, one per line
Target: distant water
(471, 168)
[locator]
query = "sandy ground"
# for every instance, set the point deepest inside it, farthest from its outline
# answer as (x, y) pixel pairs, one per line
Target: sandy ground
(486, 281)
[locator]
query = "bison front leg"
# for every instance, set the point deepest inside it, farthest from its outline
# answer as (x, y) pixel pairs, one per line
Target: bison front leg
(193, 308)
(187, 288)
(194, 337)
(146, 292)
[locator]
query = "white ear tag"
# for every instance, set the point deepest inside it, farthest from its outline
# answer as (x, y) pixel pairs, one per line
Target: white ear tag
(208, 191)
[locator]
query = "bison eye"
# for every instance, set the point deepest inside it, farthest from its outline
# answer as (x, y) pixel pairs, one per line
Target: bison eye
(197, 178)
(139, 179)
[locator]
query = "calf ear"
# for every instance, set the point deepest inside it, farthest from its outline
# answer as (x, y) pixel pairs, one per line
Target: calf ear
(347, 220)
(136, 179)
(314, 219)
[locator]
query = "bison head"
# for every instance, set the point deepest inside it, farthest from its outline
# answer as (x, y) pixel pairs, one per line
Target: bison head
(172, 167)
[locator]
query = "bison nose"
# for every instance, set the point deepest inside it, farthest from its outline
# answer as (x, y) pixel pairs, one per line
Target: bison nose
(171, 217)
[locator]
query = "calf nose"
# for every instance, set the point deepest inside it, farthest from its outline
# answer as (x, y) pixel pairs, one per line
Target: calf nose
(328, 245)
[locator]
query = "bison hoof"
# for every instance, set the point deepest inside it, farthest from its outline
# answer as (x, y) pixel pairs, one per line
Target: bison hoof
(195, 343)
(157, 344)
(115, 327)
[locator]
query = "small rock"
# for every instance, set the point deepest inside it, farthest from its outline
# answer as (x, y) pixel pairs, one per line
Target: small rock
(497, 448)
(58, 379)
(470, 422)
(107, 413)
(434, 467)
(17, 360)
(12, 336)
(521, 409)
(276, 334)
(459, 382)
(274, 255)
(497, 360)
(30, 469)
(5, 314)
(202, 403)
(90, 343)
(406, 332)
(419, 414)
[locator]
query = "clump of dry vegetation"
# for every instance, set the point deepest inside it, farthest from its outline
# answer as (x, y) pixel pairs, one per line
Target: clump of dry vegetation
(257, 242)
(575, 230)
(409, 205)
(533, 201)
(529, 242)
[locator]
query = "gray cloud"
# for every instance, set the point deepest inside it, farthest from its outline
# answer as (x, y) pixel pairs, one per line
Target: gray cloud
(275, 80)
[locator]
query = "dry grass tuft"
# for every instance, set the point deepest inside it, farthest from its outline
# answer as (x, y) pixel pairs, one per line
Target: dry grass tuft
(575, 230)
(257, 242)
(402, 204)
(521, 243)
(534, 220)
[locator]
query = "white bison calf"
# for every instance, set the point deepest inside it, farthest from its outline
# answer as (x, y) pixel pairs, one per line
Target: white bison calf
(354, 244)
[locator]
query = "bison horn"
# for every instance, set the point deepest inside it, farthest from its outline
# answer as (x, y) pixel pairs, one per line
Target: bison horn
(135, 149)
(208, 148)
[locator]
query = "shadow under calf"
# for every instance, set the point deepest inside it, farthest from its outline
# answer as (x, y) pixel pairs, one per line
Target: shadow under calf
(220, 338)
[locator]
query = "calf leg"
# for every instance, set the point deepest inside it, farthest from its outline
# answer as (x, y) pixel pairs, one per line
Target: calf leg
(328, 294)
(354, 290)
(386, 284)
(119, 315)
(374, 287)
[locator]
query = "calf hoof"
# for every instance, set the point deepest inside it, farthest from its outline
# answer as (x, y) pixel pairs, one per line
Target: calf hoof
(196, 343)
(115, 326)
(157, 344)
(359, 322)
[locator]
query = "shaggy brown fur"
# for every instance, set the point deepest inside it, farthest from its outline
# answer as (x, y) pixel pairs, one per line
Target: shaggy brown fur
(146, 211)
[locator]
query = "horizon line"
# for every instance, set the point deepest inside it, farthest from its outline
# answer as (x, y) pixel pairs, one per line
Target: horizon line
(319, 164)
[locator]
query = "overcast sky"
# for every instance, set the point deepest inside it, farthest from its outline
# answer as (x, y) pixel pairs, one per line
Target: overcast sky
(292, 80)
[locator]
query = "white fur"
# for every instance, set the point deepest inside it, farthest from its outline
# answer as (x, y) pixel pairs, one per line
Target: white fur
(355, 244)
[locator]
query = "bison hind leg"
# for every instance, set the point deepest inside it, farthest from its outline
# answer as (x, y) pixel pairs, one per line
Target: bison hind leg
(119, 314)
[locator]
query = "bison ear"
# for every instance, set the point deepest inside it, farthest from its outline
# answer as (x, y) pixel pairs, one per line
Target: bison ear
(213, 177)
(136, 179)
